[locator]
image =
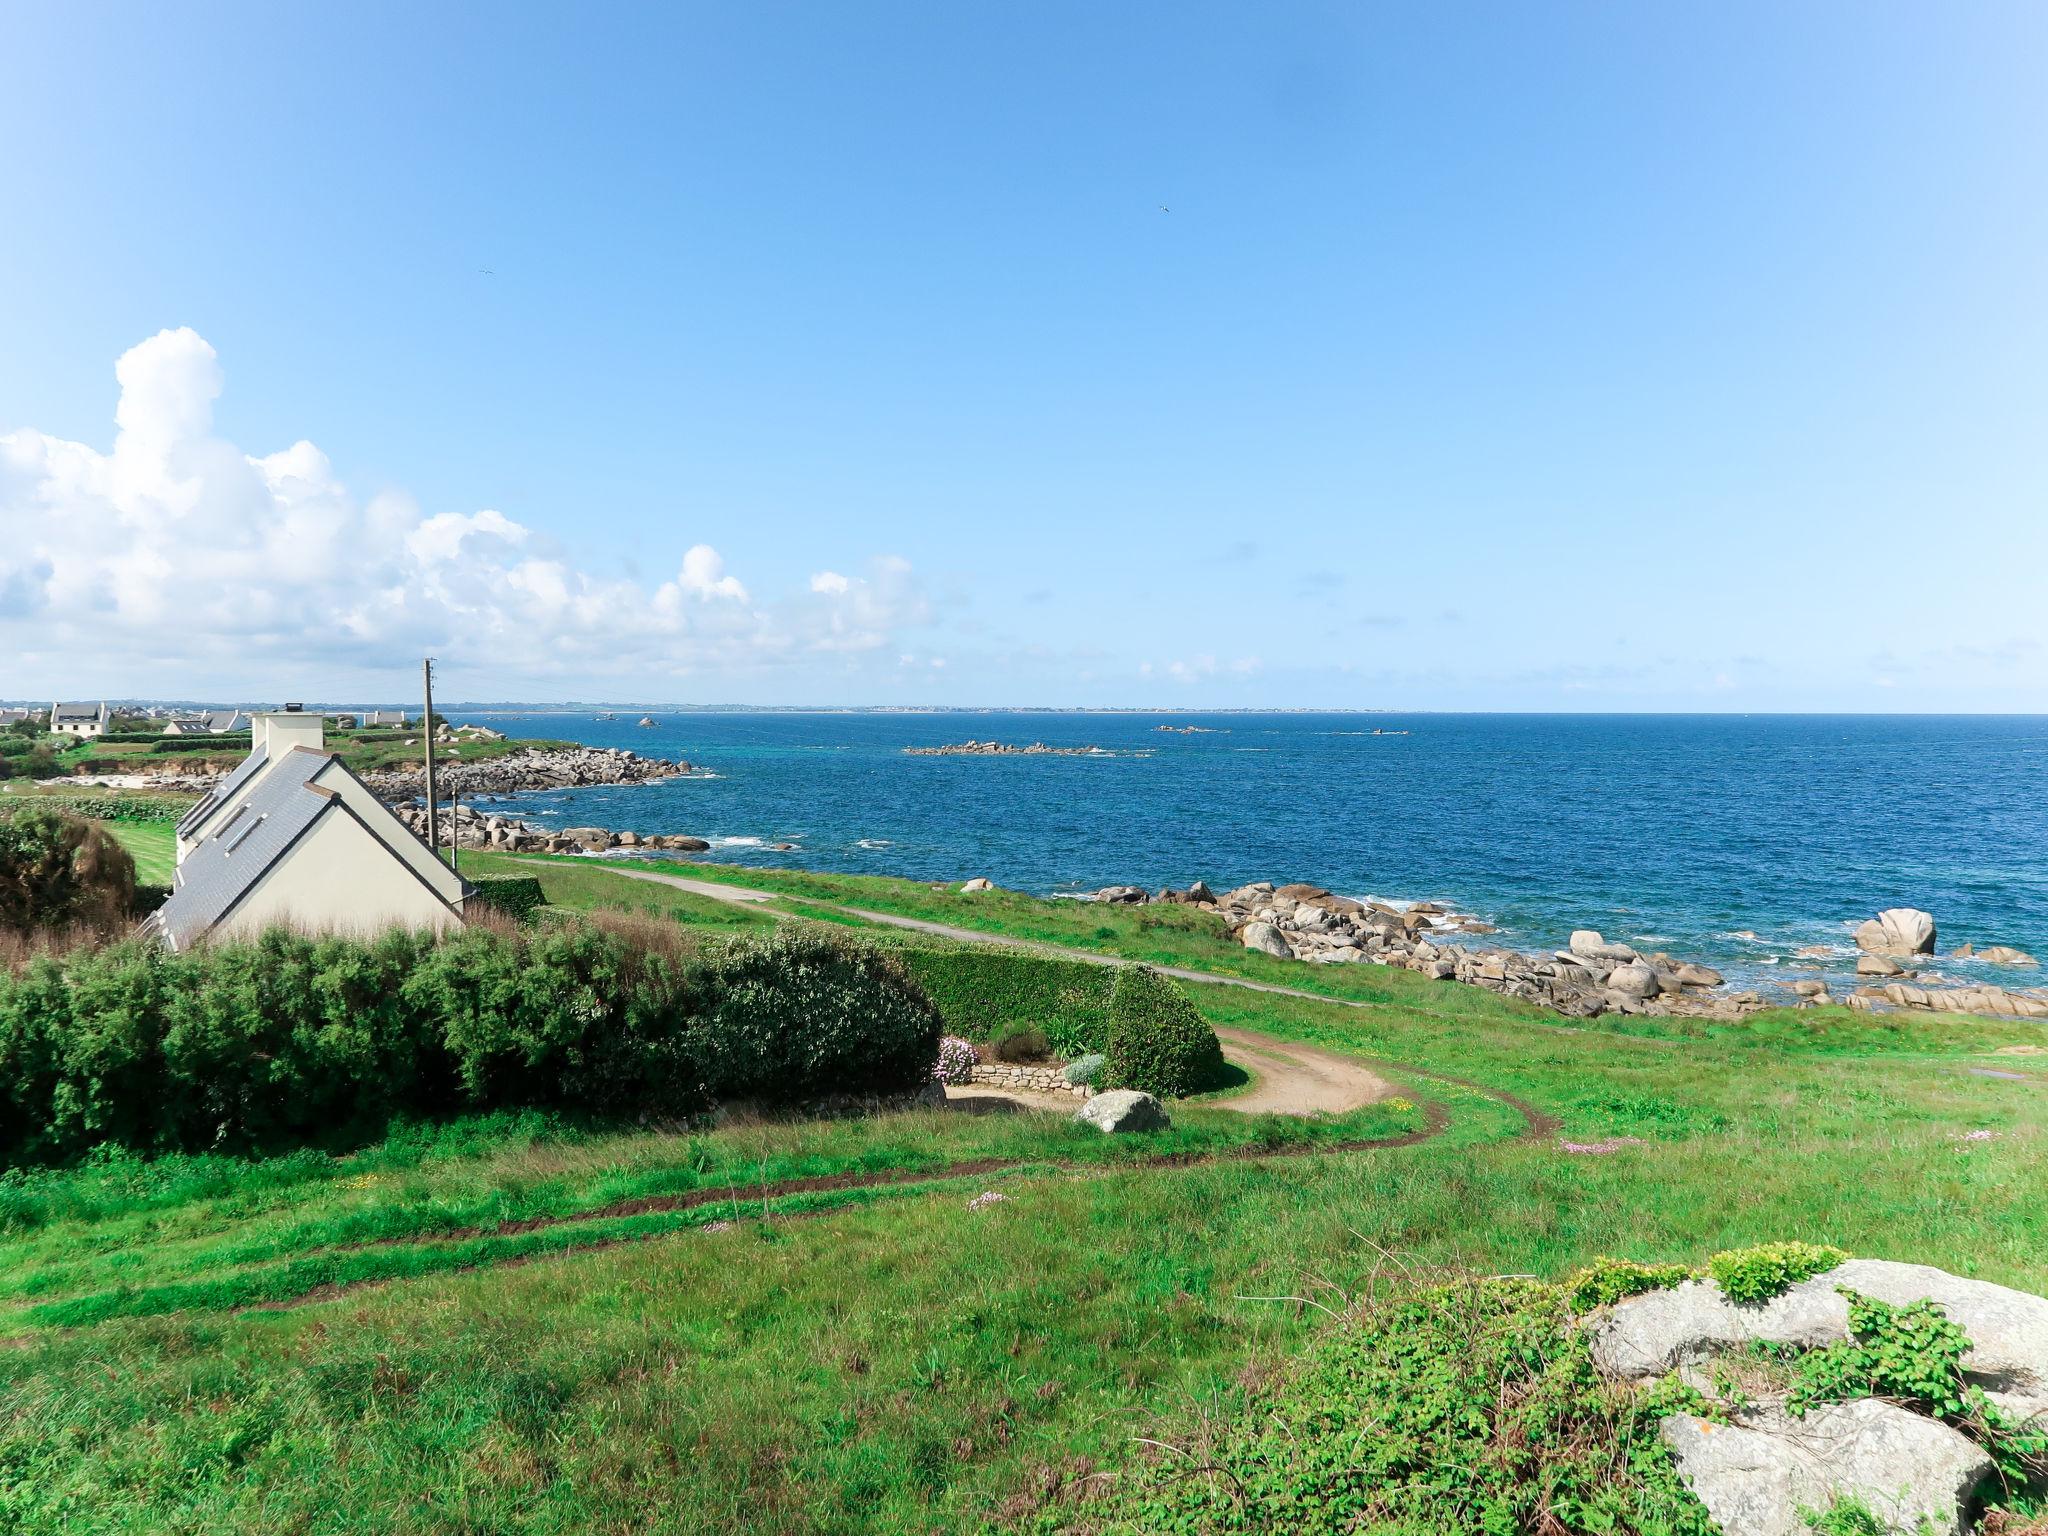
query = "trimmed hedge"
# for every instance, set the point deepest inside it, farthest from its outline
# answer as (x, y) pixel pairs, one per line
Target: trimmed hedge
(869, 1027)
(289, 1039)
(985, 992)
(516, 896)
(1157, 1041)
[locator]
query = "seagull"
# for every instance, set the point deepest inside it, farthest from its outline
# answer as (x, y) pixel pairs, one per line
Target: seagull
(485, 272)
(1164, 209)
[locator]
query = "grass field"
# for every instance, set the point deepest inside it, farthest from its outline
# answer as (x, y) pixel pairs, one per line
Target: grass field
(153, 846)
(527, 1326)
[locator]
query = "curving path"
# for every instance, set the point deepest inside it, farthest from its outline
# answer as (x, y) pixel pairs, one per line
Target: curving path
(1288, 1078)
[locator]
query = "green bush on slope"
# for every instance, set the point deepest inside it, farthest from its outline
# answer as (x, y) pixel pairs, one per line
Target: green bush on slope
(1471, 1407)
(1157, 1041)
(985, 992)
(288, 1038)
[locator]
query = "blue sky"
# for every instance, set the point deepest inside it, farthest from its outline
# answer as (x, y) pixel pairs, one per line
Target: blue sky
(1531, 357)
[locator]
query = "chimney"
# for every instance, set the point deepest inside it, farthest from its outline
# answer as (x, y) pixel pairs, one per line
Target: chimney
(277, 731)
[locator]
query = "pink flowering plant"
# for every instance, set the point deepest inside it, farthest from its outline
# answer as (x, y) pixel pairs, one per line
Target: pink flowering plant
(956, 1061)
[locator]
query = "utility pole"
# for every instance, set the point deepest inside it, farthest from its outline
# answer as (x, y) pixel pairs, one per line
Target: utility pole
(427, 725)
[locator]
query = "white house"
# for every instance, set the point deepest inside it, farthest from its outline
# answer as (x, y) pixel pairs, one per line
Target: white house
(78, 719)
(393, 717)
(292, 838)
(215, 722)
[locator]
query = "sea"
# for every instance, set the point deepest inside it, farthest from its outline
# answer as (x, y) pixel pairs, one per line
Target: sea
(1736, 840)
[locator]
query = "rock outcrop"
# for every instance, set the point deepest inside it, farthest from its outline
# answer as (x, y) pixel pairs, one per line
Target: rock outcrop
(1590, 977)
(1759, 1474)
(1650, 1334)
(1898, 931)
(463, 826)
(537, 768)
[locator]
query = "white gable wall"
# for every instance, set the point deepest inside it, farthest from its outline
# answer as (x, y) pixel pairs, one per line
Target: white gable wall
(338, 878)
(446, 883)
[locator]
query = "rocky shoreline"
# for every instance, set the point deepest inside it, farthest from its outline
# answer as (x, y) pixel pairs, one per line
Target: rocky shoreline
(1590, 976)
(535, 769)
(463, 826)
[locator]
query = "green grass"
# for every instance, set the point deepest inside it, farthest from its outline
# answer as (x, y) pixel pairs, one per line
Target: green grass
(153, 846)
(883, 1358)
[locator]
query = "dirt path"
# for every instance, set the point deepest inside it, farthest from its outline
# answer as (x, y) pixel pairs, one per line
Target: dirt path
(1289, 1079)
(1294, 1079)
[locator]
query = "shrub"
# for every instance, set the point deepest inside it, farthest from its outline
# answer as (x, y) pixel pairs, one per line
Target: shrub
(287, 1038)
(1770, 1269)
(983, 990)
(1157, 1042)
(1469, 1408)
(1606, 1281)
(518, 897)
(1083, 1070)
(957, 1061)
(1914, 1355)
(1022, 1045)
(805, 1012)
(56, 869)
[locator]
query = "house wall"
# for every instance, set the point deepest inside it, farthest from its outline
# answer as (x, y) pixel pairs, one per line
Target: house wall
(446, 883)
(339, 878)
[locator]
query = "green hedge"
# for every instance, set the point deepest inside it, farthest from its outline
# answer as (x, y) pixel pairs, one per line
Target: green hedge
(985, 992)
(517, 896)
(288, 1039)
(1157, 1041)
(101, 807)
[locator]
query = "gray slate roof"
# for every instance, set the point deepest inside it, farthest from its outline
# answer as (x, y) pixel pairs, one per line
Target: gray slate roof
(241, 849)
(196, 817)
(76, 712)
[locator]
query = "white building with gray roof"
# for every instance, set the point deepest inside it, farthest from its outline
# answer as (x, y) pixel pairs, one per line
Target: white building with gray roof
(292, 838)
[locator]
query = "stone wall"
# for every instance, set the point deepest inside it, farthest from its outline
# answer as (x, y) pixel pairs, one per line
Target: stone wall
(998, 1074)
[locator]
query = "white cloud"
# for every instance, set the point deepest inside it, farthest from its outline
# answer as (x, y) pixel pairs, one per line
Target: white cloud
(179, 547)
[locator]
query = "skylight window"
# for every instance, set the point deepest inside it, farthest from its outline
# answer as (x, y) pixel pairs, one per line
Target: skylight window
(242, 836)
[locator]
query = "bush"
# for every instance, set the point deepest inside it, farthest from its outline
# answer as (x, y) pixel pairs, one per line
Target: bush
(288, 1039)
(1083, 1070)
(1770, 1269)
(518, 897)
(1157, 1042)
(1470, 1408)
(1606, 1281)
(806, 1012)
(1023, 1045)
(1914, 1355)
(57, 869)
(957, 1061)
(983, 991)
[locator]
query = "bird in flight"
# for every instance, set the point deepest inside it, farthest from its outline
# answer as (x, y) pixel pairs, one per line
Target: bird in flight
(1164, 209)
(486, 272)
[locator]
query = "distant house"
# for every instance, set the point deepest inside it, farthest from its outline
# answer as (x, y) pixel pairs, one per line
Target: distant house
(391, 717)
(215, 722)
(16, 716)
(293, 838)
(78, 719)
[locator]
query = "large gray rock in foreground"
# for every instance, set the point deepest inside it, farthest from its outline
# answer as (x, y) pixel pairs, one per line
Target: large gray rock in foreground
(1650, 1334)
(1756, 1477)
(1898, 931)
(1123, 1110)
(2008, 1329)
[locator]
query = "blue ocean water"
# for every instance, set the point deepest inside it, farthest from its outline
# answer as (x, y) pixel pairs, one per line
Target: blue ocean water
(1677, 832)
